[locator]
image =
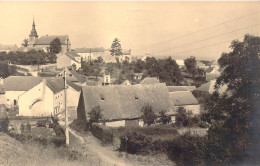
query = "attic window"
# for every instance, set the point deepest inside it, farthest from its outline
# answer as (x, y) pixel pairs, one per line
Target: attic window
(70, 75)
(102, 97)
(136, 97)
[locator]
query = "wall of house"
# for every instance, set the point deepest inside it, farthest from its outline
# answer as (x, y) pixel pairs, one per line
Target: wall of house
(120, 123)
(195, 109)
(73, 97)
(11, 96)
(78, 65)
(132, 123)
(27, 99)
(63, 61)
(2, 99)
(58, 102)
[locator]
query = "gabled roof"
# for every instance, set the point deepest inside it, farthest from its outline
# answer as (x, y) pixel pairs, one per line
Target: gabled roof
(180, 88)
(126, 102)
(8, 47)
(89, 50)
(72, 56)
(150, 80)
(209, 87)
(55, 84)
(209, 69)
(78, 77)
(126, 82)
(74, 86)
(46, 40)
(182, 98)
(20, 83)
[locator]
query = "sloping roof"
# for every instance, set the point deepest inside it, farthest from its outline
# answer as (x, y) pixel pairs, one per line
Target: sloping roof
(150, 80)
(8, 47)
(78, 77)
(55, 84)
(123, 102)
(74, 86)
(89, 50)
(46, 40)
(209, 69)
(182, 98)
(209, 87)
(126, 82)
(180, 88)
(21, 83)
(72, 56)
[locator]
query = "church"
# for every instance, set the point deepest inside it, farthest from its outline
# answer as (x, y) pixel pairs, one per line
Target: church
(43, 43)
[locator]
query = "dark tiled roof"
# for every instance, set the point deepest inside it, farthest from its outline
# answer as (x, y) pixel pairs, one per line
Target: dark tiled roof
(123, 102)
(46, 40)
(55, 84)
(72, 55)
(77, 76)
(74, 86)
(181, 98)
(21, 83)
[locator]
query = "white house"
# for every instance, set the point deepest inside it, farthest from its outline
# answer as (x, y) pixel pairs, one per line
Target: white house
(187, 100)
(209, 88)
(48, 98)
(68, 59)
(180, 63)
(17, 85)
(121, 105)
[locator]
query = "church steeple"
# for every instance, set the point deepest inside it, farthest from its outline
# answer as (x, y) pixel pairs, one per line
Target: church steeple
(33, 35)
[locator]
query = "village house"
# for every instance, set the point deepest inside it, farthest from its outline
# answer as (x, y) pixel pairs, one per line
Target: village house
(8, 48)
(17, 85)
(181, 88)
(73, 76)
(201, 65)
(90, 54)
(137, 76)
(187, 100)
(68, 59)
(150, 80)
(180, 63)
(121, 105)
(106, 79)
(44, 42)
(47, 98)
(209, 88)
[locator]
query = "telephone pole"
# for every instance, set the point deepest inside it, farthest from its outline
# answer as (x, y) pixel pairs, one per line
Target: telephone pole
(66, 111)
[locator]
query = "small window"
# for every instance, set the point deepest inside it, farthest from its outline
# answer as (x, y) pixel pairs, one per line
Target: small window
(136, 97)
(7, 99)
(70, 75)
(102, 97)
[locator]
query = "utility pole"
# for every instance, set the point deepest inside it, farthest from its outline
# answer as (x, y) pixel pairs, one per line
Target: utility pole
(66, 111)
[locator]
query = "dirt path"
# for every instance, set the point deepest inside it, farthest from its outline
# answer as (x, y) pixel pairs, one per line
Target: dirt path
(99, 155)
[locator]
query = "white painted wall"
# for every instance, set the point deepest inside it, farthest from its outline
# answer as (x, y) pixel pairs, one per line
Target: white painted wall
(72, 97)
(11, 96)
(58, 102)
(195, 109)
(120, 123)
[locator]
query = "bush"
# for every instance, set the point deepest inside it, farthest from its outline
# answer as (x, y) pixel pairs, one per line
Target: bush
(188, 150)
(80, 125)
(41, 123)
(103, 133)
(186, 119)
(148, 115)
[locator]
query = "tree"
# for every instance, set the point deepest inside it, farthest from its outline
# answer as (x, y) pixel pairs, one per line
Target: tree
(28, 127)
(4, 121)
(55, 46)
(148, 115)
(190, 64)
(116, 49)
(234, 132)
(22, 128)
(25, 43)
(164, 118)
(95, 114)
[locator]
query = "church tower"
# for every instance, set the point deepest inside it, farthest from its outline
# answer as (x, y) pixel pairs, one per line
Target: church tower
(33, 36)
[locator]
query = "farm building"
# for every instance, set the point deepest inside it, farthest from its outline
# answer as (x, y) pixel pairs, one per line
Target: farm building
(48, 98)
(68, 59)
(17, 85)
(181, 88)
(121, 105)
(208, 88)
(187, 100)
(73, 76)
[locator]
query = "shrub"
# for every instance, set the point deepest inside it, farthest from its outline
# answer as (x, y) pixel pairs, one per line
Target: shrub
(164, 118)
(95, 114)
(4, 123)
(148, 115)
(102, 132)
(22, 128)
(186, 119)
(79, 125)
(41, 123)
(28, 127)
(188, 150)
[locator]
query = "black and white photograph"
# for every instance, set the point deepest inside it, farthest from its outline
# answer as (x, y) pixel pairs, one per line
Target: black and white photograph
(129, 83)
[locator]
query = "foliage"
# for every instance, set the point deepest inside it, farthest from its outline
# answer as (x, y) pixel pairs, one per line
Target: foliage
(22, 127)
(232, 134)
(25, 43)
(190, 64)
(188, 150)
(28, 127)
(95, 114)
(116, 49)
(41, 123)
(32, 57)
(148, 115)
(102, 133)
(4, 122)
(55, 46)
(185, 118)
(99, 60)
(164, 118)
(79, 125)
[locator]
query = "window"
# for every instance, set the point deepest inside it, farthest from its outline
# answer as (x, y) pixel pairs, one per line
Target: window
(136, 96)
(102, 97)
(70, 75)
(7, 99)
(15, 102)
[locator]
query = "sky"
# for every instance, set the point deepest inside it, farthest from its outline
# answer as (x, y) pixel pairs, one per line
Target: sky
(177, 29)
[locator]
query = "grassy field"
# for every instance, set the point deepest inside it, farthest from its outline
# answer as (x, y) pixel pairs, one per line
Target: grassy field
(14, 153)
